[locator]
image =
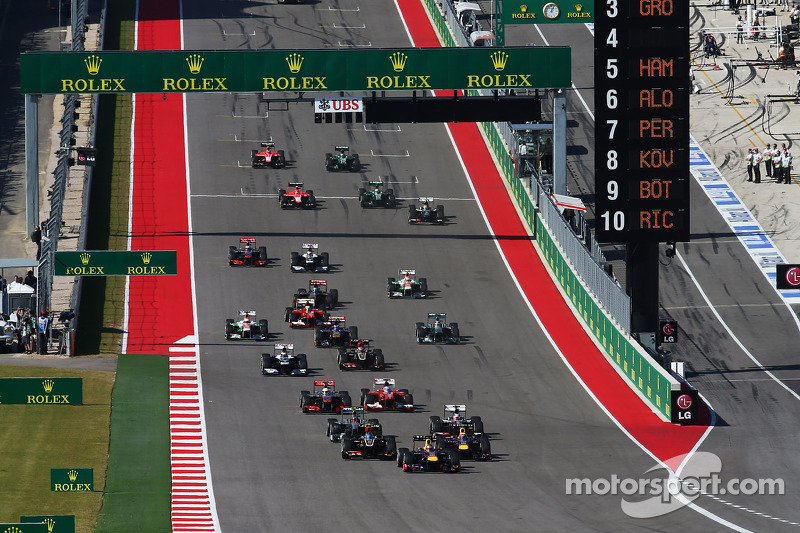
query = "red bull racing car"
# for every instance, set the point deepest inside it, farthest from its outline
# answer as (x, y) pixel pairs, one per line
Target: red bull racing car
(333, 332)
(465, 435)
(431, 456)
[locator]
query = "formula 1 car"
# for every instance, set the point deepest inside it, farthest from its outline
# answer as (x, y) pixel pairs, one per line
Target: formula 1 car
(310, 261)
(431, 457)
(360, 357)
(267, 157)
(246, 328)
(437, 330)
(333, 332)
(297, 198)
(351, 423)
(425, 213)
(248, 255)
(284, 362)
(407, 287)
(367, 444)
(304, 314)
(324, 398)
(318, 291)
(375, 197)
(384, 397)
(461, 434)
(342, 160)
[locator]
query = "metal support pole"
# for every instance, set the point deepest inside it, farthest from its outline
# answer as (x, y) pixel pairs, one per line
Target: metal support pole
(560, 142)
(31, 162)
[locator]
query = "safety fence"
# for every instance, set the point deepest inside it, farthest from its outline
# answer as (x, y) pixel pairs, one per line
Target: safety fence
(596, 297)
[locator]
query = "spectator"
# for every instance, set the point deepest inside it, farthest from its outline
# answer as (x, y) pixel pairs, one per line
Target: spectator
(27, 335)
(30, 280)
(740, 31)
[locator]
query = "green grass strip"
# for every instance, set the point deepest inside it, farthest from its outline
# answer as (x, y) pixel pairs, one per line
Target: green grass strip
(138, 486)
(36, 438)
(102, 298)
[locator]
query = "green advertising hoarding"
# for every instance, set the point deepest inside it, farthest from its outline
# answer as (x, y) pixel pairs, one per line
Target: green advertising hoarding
(23, 528)
(55, 523)
(72, 479)
(547, 12)
(295, 70)
(117, 263)
(41, 391)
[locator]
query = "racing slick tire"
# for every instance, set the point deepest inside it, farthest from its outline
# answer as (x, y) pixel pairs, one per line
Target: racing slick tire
(353, 334)
(409, 400)
(333, 297)
(231, 252)
(355, 164)
(325, 259)
(486, 448)
(401, 452)
(408, 460)
(391, 449)
(453, 458)
(329, 166)
(380, 363)
(281, 193)
(342, 358)
(280, 160)
(391, 200)
(262, 251)
(228, 328)
(305, 402)
(373, 422)
(440, 214)
(364, 394)
(317, 335)
(296, 260)
(310, 192)
(312, 202)
(435, 425)
(303, 394)
(423, 285)
(389, 286)
(302, 362)
(419, 331)
(346, 400)
(477, 424)
(333, 428)
(287, 314)
(361, 193)
(412, 214)
(347, 446)
(455, 332)
(264, 325)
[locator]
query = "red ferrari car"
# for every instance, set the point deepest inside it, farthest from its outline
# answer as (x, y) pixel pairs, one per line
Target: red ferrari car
(384, 397)
(304, 314)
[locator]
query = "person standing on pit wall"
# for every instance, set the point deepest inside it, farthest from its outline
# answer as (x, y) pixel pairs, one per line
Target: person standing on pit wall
(42, 326)
(748, 160)
(757, 159)
(776, 162)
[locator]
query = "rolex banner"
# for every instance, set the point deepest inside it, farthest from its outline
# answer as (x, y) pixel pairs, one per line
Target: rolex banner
(373, 69)
(54, 523)
(72, 479)
(41, 391)
(547, 12)
(23, 528)
(116, 263)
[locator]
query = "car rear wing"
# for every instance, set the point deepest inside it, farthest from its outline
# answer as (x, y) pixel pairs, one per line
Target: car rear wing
(282, 346)
(376, 183)
(313, 282)
(247, 240)
(421, 438)
(336, 319)
(296, 184)
(342, 148)
(268, 144)
(404, 271)
(325, 383)
(455, 408)
(242, 313)
(377, 383)
(302, 302)
(423, 199)
(365, 342)
(440, 316)
(357, 411)
(307, 245)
